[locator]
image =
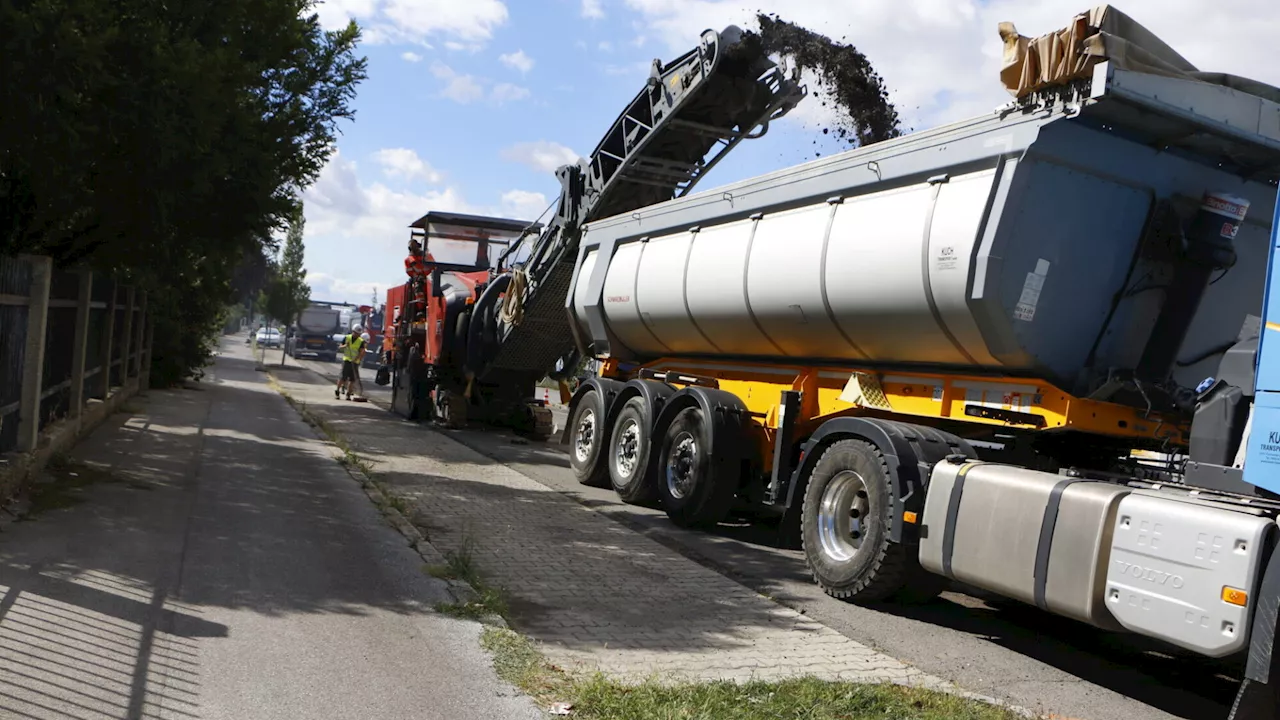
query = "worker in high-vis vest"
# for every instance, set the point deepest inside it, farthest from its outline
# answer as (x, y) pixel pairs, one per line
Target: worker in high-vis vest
(353, 348)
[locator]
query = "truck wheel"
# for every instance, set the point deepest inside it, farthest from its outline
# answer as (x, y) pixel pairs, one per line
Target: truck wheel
(629, 454)
(848, 508)
(690, 489)
(586, 435)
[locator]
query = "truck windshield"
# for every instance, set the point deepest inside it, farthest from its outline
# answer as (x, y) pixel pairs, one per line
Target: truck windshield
(469, 253)
(466, 245)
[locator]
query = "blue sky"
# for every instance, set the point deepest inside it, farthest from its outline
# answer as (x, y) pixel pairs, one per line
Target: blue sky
(471, 104)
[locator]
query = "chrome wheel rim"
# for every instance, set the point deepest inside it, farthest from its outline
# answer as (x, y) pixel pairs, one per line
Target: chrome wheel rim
(680, 465)
(584, 436)
(627, 455)
(842, 516)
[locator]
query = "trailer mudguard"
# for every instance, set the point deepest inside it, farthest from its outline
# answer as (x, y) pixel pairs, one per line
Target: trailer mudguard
(608, 390)
(655, 394)
(724, 412)
(910, 451)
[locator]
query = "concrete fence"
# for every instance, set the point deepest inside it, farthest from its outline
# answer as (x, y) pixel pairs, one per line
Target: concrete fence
(73, 346)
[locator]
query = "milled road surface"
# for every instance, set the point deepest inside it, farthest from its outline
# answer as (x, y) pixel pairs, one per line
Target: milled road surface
(225, 566)
(997, 648)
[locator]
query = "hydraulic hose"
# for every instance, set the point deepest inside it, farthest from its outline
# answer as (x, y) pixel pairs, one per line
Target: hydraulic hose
(485, 310)
(513, 302)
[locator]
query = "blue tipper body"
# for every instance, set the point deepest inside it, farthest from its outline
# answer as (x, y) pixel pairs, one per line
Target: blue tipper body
(1262, 459)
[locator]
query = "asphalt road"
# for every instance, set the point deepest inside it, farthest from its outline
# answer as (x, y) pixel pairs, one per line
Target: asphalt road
(984, 644)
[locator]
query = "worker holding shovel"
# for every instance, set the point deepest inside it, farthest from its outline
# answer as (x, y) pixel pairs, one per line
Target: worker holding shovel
(353, 348)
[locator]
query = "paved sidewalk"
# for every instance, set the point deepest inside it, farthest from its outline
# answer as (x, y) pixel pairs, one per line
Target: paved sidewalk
(225, 566)
(595, 594)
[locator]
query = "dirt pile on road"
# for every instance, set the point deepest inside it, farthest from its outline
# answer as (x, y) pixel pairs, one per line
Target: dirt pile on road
(845, 78)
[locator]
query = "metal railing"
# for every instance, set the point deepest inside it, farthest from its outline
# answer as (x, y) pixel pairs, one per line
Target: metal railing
(68, 338)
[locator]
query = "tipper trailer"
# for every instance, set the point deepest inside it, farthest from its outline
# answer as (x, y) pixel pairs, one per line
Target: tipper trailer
(1023, 351)
(954, 355)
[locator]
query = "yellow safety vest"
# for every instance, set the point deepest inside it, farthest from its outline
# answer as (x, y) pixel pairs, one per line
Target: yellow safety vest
(352, 352)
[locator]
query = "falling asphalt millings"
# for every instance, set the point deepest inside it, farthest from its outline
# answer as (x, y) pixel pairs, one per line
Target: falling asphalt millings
(844, 76)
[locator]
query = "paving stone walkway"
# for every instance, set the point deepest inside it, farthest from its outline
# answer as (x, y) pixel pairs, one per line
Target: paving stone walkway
(594, 593)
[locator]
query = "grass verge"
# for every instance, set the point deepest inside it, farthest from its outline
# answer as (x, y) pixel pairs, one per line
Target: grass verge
(519, 663)
(460, 566)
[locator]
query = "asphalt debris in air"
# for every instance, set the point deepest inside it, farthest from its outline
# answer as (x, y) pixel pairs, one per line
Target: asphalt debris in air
(845, 79)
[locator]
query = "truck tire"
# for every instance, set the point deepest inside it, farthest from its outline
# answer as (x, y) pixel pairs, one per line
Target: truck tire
(628, 458)
(844, 528)
(689, 487)
(586, 435)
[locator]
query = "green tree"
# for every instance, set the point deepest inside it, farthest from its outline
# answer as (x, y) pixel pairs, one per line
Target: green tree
(288, 293)
(164, 142)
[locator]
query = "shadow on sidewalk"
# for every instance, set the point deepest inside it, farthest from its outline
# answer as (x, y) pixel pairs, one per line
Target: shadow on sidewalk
(217, 498)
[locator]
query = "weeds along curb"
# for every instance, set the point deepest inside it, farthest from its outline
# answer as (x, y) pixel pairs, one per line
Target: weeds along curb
(362, 472)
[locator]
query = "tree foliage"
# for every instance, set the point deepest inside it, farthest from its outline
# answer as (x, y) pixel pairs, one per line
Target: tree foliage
(164, 142)
(287, 291)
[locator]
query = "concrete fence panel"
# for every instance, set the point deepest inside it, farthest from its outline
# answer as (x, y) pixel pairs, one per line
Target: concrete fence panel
(73, 346)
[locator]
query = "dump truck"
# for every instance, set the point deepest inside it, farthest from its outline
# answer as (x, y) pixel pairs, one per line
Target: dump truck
(1032, 352)
(493, 323)
(1020, 352)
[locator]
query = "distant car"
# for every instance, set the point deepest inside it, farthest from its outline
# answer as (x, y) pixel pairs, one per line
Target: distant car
(269, 337)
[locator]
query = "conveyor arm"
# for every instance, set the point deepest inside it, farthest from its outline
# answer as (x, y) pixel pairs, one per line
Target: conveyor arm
(691, 113)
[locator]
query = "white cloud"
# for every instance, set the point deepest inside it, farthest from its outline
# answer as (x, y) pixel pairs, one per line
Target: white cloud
(605, 46)
(638, 69)
(458, 87)
(542, 156)
(504, 93)
(523, 204)
(412, 57)
(517, 61)
(339, 205)
(327, 287)
(940, 58)
(456, 46)
(592, 9)
(400, 21)
(465, 89)
(405, 164)
(357, 232)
